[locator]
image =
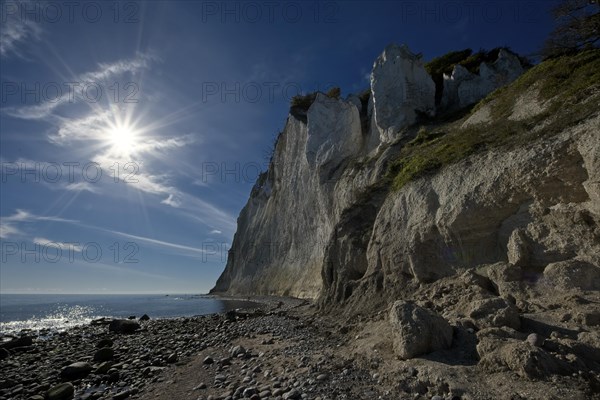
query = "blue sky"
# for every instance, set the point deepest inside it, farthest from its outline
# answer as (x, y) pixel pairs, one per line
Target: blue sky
(131, 133)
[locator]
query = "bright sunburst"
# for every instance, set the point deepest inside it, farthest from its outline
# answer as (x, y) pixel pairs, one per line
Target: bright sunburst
(123, 140)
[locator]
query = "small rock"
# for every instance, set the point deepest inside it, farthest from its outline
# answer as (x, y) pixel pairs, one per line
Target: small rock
(64, 391)
(237, 351)
(122, 395)
(104, 354)
(292, 394)
(535, 340)
(172, 358)
(123, 326)
(105, 343)
(103, 368)
(75, 371)
(208, 360)
(144, 317)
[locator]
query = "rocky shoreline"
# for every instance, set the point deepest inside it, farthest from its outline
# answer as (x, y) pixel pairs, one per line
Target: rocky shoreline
(284, 349)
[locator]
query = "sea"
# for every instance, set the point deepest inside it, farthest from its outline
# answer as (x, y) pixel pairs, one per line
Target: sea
(58, 312)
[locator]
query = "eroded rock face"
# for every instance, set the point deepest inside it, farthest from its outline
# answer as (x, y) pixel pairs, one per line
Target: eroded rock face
(400, 88)
(417, 330)
(500, 354)
(494, 312)
(317, 225)
(573, 274)
(286, 224)
(463, 88)
(465, 215)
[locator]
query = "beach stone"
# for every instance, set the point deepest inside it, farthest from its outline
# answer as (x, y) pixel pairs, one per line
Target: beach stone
(237, 350)
(105, 343)
(122, 395)
(75, 371)
(4, 353)
(172, 358)
(103, 368)
(292, 394)
(104, 354)
(64, 391)
(417, 330)
(123, 326)
(23, 341)
(144, 317)
(535, 340)
(208, 360)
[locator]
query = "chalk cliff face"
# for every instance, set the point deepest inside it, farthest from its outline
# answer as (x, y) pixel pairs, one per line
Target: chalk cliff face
(462, 87)
(324, 222)
(282, 231)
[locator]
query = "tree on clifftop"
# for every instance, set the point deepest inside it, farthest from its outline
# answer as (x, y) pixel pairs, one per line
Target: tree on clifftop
(578, 28)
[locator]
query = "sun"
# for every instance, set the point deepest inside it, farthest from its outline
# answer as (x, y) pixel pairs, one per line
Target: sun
(123, 140)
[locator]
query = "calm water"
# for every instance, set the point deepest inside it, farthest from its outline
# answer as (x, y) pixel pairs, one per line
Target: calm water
(24, 311)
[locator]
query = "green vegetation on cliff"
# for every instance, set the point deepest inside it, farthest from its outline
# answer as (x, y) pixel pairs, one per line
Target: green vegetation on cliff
(565, 91)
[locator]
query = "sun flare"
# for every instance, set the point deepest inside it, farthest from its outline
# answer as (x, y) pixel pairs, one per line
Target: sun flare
(123, 140)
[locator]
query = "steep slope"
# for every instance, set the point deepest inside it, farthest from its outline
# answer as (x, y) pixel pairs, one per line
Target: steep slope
(360, 206)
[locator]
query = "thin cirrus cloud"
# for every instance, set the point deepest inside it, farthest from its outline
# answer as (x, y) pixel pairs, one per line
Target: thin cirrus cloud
(156, 242)
(60, 245)
(81, 187)
(102, 74)
(16, 30)
(9, 225)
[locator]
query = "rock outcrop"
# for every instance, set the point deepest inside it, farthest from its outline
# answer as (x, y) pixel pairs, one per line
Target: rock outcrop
(417, 330)
(479, 231)
(283, 230)
(400, 89)
(323, 221)
(463, 88)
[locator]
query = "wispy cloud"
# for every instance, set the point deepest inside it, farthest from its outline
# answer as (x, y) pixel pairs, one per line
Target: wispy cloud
(102, 74)
(9, 228)
(53, 243)
(215, 232)
(25, 216)
(172, 201)
(16, 30)
(156, 242)
(81, 187)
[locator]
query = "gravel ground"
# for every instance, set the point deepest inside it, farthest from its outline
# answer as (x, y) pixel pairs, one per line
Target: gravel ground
(283, 350)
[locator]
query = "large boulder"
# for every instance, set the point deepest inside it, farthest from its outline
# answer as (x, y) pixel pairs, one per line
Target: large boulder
(400, 87)
(494, 312)
(573, 274)
(501, 353)
(123, 326)
(23, 341)
(417, 330)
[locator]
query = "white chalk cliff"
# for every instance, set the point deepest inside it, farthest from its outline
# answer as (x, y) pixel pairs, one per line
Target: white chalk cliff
(320, 223)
